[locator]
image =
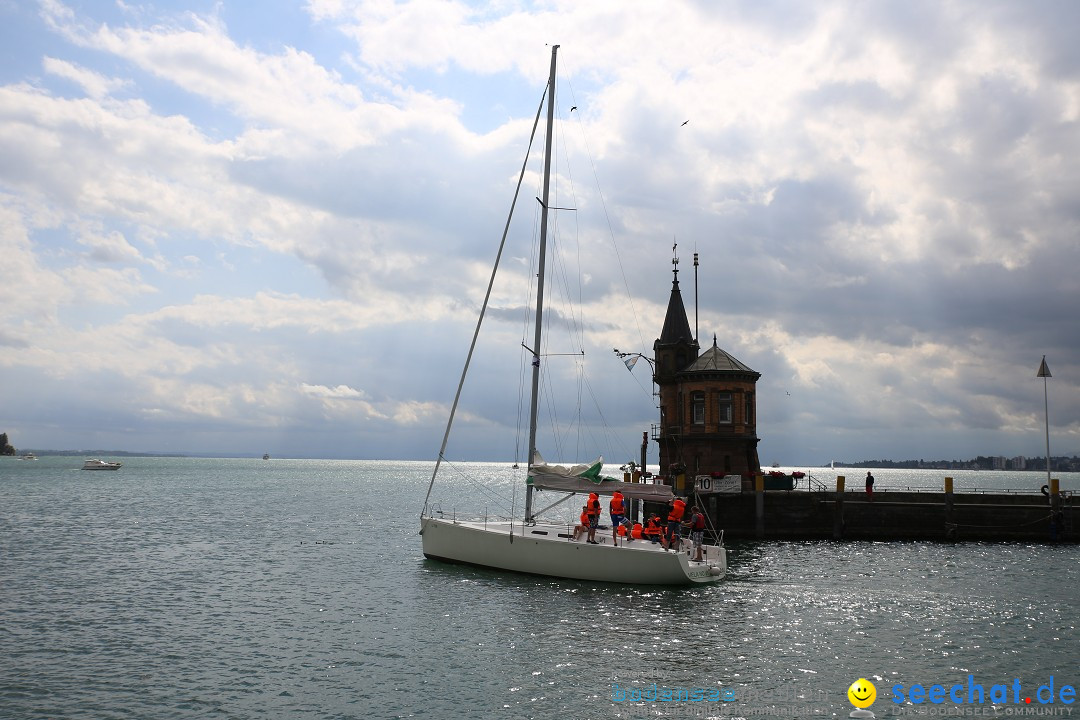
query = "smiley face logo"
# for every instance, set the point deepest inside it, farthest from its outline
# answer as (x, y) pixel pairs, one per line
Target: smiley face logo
(862, 693)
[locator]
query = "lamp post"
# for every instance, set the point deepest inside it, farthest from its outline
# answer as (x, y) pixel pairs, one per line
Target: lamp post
(1044, 372)
(630, 359)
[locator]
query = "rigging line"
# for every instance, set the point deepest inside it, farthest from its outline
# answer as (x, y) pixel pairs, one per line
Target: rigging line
(490, 494)
(526, 323)
(608, 430)
(568, 314)
(568, 311)
(569, 318)
(611, 233)
(553, 416)
(522, 374)
(483, 308)
(582, 379)
(647, 392)
(578, 325)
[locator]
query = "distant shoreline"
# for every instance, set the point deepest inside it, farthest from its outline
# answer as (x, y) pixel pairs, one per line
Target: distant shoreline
(1059, 463)
(115, 453)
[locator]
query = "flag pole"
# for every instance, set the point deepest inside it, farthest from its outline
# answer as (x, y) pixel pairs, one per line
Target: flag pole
(1044, 372)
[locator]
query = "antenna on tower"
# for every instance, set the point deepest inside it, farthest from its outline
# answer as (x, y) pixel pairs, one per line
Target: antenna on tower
(695, 299)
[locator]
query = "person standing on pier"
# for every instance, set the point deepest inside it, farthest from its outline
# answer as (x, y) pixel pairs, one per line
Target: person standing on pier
(870, 485)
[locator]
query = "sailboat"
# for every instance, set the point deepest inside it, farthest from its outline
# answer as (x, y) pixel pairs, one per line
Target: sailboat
(532, 545)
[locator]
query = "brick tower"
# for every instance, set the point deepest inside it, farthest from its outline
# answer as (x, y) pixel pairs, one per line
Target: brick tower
(708, 404)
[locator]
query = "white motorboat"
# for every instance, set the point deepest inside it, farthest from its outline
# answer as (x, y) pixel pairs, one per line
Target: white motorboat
(533, 546)
(95, 464)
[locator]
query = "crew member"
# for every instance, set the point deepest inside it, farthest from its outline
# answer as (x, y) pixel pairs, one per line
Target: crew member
(676, 509)
(696, 523)
(584, 520)
(617, 511)
(653, 529)
(593, 508)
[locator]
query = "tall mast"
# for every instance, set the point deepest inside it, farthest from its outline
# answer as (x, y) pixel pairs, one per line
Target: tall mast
(540, 281)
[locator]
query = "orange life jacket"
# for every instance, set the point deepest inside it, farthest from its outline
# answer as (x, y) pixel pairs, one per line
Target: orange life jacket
(675, 513)
(622, 531)
(584, 519)
(616, 504)
(635, 533)
(652, 527)
(594, 504)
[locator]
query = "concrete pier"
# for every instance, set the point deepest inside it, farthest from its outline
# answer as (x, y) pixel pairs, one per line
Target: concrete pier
(891, 515)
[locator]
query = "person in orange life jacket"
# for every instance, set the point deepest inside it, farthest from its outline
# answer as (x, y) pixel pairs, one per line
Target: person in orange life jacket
(696, 523)
(637, 532)
(674, 523)
(653, 529)
(584, 519)
(593, 508)
(617, 511)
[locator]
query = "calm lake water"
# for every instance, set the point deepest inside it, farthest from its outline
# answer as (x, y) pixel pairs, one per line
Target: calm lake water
(190, 588)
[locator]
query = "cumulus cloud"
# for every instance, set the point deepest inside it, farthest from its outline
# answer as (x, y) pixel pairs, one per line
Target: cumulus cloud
(883, 199)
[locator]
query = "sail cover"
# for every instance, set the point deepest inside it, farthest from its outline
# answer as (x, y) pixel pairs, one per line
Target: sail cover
(587, 479)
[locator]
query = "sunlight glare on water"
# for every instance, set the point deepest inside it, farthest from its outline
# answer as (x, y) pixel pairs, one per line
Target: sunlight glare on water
(183, 588)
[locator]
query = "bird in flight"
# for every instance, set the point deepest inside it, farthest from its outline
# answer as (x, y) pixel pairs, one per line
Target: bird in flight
(684, 123)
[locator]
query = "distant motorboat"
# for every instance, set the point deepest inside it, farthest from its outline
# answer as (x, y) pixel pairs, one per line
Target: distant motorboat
(95, 464)
(266, 456)
(29, 456)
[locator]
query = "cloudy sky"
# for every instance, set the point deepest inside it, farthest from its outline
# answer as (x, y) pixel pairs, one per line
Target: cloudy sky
(240, 228)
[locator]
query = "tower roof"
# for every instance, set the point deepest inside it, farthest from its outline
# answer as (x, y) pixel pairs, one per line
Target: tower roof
(676, 326)
(716, 360)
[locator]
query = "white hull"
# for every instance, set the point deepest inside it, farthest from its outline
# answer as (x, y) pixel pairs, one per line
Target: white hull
(546, 549)
(101, 465)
